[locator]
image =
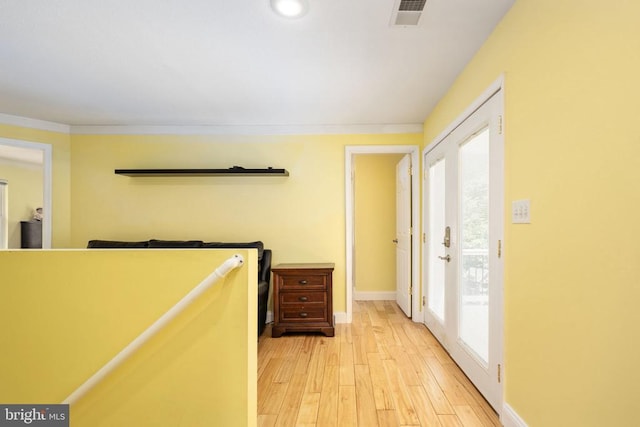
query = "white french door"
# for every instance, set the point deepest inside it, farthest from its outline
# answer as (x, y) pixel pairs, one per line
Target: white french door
(464, 223)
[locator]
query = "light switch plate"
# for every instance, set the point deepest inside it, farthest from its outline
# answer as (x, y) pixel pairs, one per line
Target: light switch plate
(521, 212)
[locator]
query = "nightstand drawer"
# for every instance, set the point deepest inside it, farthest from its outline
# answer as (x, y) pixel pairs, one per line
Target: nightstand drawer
(303, 281)
(303, 314)
(303, 298)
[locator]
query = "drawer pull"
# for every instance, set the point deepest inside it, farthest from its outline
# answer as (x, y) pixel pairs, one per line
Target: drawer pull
(303, 299)
(303, 282)
(303, 314)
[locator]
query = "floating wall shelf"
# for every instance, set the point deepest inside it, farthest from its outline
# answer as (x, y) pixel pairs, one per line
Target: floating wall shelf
(233, 171)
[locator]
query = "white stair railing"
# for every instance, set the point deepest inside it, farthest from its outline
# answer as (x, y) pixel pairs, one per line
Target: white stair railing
(210, 280)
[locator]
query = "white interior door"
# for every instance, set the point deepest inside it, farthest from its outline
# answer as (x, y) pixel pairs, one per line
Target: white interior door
(403, 234)
(4, 214)
(463, 208)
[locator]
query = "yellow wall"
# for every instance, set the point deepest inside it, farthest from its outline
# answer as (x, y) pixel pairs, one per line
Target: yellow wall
(572, 146)
(375, 222)
(300, 217)
(61, 176)
(67, 313)
(25, 194)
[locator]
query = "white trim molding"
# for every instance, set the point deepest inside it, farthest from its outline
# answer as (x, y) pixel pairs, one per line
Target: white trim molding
(374, 295)
(250, 130)
(495, 87)
(328, 129)
(510, 418)
(341, 317)
(26, 122)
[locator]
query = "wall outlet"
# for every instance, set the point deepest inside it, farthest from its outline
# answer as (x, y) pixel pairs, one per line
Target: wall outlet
(521, 212)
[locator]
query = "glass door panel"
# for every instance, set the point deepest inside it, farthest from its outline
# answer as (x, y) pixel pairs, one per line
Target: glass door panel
(473, 279)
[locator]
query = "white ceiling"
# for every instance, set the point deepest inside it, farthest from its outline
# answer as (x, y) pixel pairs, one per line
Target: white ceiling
(234, 62)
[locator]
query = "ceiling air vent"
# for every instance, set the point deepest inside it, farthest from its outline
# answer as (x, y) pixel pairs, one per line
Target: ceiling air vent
(407, 12)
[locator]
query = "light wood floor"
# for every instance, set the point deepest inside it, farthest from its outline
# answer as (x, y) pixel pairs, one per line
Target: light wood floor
(381, 370)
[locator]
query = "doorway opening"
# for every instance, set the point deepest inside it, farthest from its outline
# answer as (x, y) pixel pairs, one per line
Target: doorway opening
(14, 153)
(350, 158)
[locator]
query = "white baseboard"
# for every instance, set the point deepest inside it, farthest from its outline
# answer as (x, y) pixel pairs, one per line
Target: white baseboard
(340, 317)
(374, 295)
(510, 418)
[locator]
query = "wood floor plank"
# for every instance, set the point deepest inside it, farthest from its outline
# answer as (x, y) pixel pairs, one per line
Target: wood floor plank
(424, 409)
(381, 387)
(304, 355)
(447, 383)
(345, 333)
(359, 350)
(387, 418)
(450, 421)
(346, 364)
(333, 351)
(371, 344)
(308, 413)
(366, 403)
(347, 414)
(316, 369)
(273, 396)
(467, 416)
(400, 395)
(267, 420)
(431, 386)
(328, 408)
(401, 335)
(291, 403)
(409, 374)
(272, 392)
(481, 407)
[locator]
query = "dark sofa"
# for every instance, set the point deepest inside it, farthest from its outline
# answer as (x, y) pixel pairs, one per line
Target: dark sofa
(264, 261)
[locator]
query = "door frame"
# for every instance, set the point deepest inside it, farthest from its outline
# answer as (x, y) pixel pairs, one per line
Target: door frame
(350, 152)
(46, 185)
(496, 89)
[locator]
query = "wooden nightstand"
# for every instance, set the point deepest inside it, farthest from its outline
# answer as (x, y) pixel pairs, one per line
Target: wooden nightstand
(302, 298)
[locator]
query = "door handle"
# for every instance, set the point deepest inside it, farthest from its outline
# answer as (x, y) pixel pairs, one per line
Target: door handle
(395, 240)
(445, 258)
(447, 237)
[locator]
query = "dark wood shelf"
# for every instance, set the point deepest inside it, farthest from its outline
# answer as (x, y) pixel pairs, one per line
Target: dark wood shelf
(233, 171)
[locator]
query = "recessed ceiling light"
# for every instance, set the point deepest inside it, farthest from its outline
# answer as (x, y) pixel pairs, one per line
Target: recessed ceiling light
(290, 8)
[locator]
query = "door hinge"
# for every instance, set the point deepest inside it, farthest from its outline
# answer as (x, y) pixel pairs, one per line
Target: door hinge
(499, 248)
(500, 125)
(499, 373)
(424, 300)
(424, 237)
(410, 170)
